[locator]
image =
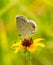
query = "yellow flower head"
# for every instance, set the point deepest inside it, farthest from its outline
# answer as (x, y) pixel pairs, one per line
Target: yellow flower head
(29, 44)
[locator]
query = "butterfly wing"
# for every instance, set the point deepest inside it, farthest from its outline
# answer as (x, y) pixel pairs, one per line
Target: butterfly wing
(33, 26)
(25, 27)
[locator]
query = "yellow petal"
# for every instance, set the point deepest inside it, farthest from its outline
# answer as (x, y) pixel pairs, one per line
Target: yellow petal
(18, 49)
(40, 44)
(31, 48)
(16, 44)
(37, 40)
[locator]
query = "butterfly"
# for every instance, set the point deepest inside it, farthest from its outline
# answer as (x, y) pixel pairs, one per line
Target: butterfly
(25, 26)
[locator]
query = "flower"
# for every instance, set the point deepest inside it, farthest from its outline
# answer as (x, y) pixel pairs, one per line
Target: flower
(29, 44)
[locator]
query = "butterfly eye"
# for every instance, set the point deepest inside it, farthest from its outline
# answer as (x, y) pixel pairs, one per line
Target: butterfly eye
(19, 34)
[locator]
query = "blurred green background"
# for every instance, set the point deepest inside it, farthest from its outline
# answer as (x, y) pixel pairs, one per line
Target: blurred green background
(41, 11)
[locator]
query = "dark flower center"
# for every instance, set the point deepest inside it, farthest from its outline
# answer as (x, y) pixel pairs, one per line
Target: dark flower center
(27, 42)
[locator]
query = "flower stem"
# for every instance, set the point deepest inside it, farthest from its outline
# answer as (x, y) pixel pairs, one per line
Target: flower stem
(29, 58)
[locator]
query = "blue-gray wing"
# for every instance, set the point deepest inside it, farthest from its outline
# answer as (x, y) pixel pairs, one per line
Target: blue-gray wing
(25, 27)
